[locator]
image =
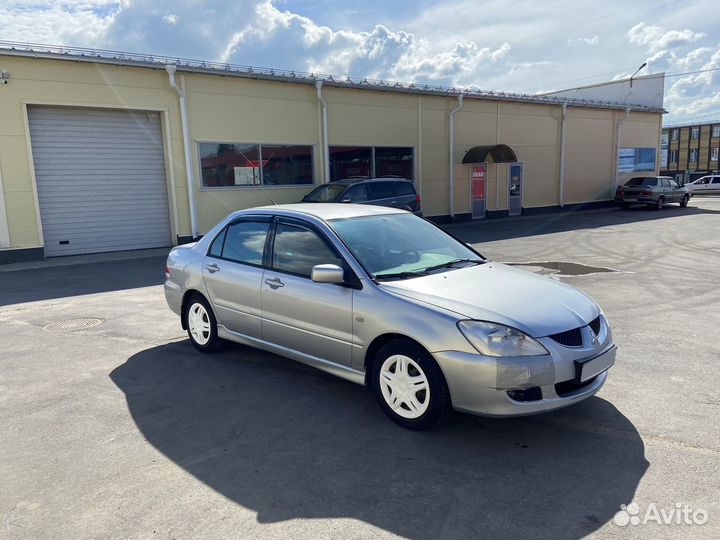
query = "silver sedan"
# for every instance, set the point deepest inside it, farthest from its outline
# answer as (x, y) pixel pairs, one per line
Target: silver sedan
(386, 299)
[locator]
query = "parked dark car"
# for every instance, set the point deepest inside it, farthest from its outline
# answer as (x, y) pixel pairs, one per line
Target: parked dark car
(654, 191)
(393, 192)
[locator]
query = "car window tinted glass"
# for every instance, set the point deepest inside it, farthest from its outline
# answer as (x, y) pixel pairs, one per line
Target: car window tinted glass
(298, 249)
(665, 182)
(217, 245)
(716, 180)
(357, 194)
(379, 190)
(326, 193)
(703, 180)
(245, 241)
(403, 189)
(642, 181)
(395, 243)
(673, 184)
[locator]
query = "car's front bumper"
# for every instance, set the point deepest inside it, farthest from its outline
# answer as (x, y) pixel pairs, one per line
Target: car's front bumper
(480, 384)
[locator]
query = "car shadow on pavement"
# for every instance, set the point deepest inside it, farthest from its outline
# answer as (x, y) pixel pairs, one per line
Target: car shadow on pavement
(47, 283)
(290, 442)
(491, 230)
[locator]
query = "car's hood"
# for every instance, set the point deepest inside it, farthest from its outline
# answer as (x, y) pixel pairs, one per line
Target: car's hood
(537, 305)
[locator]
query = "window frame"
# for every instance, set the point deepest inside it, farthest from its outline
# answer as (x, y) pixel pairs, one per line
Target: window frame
(248, 218)
(693, 152)
(715, 131)
(351, 280)
(694, 133)
(260, 186)
(714, 151)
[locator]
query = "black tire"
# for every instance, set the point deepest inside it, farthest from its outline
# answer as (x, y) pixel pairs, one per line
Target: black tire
(439, 408)
(625, 206)
(685, 201)
(660, 203)
(214, 343)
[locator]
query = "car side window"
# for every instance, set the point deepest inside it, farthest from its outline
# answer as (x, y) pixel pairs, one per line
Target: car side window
(357, 194)
(674, 184)
(379, 190)
(217, 244)
(245, 242)
(297, 249)
(716, 180)
(403, 189)
(665, 183)
(704, 180)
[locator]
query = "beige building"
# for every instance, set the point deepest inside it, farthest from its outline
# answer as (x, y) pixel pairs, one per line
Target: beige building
(100, 153)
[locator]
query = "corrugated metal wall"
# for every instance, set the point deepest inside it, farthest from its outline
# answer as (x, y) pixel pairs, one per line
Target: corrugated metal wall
(100, 178)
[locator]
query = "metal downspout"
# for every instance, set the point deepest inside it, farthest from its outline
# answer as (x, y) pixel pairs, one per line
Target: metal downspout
(326, 147)
(452, 156)
(186, 146)
(561, 196)
(617, 151)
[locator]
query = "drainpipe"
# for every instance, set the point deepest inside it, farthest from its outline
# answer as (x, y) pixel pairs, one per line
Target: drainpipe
(186, 146)
(326, 147)
(617, 151)
(562, 156)
(452, 156)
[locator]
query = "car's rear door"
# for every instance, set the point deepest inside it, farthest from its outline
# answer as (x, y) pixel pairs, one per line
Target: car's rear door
(381, 193)
(714, 186)
(233, 270)
(311, 318)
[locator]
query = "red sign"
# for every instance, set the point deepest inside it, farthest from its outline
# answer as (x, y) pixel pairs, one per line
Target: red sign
(478, 182)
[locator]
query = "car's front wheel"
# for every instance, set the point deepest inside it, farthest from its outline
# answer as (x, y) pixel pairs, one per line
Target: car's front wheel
(409, 385)
(685, 201)
(201, 324)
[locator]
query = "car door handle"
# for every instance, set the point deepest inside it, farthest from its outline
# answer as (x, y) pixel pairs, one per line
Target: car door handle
(274, 283)
(212, 267)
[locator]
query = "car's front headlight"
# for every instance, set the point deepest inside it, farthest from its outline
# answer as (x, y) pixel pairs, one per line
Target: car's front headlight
(492, 339)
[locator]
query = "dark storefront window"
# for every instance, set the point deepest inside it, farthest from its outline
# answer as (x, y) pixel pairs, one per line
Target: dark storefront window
(285, 164)
(357, 162)
(350, 162)
(238, 164)
(394, 162)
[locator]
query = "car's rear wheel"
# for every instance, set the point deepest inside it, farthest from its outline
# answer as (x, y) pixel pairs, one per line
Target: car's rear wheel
(660, 203)
(409, 385)
(685, 201)
(201, 324)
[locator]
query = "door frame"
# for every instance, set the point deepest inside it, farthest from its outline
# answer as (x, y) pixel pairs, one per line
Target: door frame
(522, 185)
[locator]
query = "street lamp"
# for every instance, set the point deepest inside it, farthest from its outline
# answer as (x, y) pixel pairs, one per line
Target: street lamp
(636, 72)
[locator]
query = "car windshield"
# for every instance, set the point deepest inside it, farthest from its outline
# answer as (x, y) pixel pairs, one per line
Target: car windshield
(641, 182)
(326, 193)
(399, 246)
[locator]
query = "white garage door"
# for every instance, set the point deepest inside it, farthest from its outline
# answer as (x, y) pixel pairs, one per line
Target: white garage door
(100, 179)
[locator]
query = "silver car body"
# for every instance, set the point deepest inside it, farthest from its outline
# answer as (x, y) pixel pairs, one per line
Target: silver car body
(336, 328)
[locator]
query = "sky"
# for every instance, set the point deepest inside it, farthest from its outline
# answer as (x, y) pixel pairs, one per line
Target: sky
(525, 46)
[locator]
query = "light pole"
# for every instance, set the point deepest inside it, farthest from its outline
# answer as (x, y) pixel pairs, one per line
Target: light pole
(636, 72)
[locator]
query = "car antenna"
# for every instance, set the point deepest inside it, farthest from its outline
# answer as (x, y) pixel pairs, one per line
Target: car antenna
(266, 193)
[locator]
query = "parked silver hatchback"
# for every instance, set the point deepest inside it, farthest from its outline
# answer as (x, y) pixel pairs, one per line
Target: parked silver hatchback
(384, 298)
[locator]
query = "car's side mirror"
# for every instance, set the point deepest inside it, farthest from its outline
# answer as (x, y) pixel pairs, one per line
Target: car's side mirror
(327, 273)
(346, 200)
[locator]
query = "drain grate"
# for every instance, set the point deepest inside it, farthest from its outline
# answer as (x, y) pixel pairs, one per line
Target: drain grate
(72, 325)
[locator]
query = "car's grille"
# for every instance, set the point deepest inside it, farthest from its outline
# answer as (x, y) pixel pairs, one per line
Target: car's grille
(595, 325)
(570, 338)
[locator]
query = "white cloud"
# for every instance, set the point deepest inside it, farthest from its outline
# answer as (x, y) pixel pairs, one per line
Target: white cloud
(594, 40)
(171, 18)
(657, 39)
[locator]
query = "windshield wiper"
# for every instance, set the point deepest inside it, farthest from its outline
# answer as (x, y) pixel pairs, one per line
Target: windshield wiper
(452, 263)
(400, 275)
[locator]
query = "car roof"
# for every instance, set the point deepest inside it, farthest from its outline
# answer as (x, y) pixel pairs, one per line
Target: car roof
(325, 211)
(349, 181)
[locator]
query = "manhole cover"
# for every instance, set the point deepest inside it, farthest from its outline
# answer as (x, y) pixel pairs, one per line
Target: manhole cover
(561, 268)
(71, 325)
